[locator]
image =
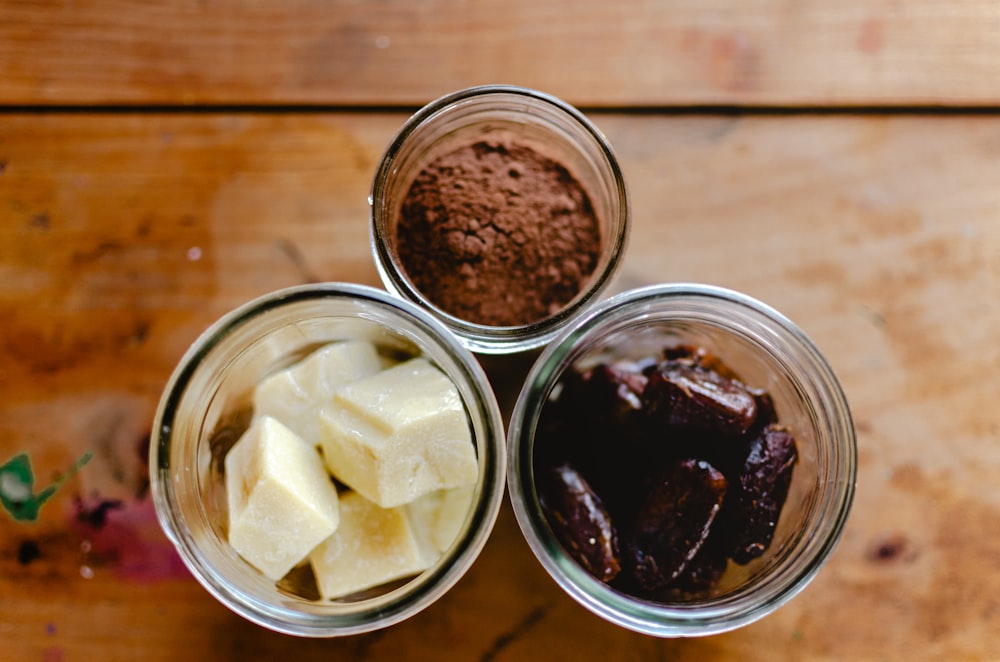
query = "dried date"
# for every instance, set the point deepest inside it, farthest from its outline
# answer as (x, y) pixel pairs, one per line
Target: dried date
(703, 572)
(597, 425)
(580, 521)
(760, 492)
(609, 396)
(688, 396)
(701, 357)
(673, 522)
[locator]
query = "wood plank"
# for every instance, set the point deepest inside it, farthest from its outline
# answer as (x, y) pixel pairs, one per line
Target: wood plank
(880, 236)
(633, 52)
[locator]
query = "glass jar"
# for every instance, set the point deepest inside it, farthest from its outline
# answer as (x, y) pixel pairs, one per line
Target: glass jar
(207, 405)
(769, 352)
(556, 130)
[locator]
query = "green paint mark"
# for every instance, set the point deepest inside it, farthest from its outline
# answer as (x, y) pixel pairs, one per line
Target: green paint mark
(17, 485)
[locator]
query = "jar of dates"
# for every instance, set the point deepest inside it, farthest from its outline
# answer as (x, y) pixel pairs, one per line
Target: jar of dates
(682, 460)
(207, 405)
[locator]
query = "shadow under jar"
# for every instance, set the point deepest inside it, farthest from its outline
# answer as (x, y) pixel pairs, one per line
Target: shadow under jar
(207, 405)
(769, 353)
(511, 180)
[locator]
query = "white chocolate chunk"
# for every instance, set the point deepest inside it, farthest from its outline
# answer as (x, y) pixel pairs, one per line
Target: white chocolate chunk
(438, 516)
(294, 395)
(281, 501)
(372, 546)
(399, 434)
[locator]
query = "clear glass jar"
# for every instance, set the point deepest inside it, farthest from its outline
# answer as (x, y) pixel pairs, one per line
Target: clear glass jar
(769, 352)
(206, 406)
(555, 129)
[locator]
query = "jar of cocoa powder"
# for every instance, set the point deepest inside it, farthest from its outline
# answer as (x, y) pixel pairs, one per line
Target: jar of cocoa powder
(503, 211)
(624, 466)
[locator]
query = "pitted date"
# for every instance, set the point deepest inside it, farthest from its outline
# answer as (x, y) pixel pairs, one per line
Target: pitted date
(698, 356)
(612, 394)
(681, 395)
(702, 573)
(580, 521)
(597, 426)
(761, 491)
(674, 521)
(654, 474)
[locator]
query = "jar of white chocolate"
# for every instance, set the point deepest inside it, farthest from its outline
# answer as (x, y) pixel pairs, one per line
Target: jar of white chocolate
(263, 485)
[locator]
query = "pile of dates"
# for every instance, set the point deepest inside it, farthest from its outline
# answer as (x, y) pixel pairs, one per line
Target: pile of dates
(653, 474)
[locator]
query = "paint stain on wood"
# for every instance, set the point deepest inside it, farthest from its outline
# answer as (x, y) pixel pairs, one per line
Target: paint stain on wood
(871, 36)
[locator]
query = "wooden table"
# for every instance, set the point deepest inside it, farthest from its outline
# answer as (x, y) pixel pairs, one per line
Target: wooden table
(161, 163)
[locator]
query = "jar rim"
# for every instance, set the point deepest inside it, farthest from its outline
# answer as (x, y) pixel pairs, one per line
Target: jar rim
(710, 615)
(280, 614)
(481, 338)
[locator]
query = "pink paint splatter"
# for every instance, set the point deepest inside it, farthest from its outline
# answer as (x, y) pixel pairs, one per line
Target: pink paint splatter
(871, 36)
(129, 542)
(734, 62)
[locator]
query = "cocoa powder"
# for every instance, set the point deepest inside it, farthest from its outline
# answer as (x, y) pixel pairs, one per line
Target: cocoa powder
(498, 234)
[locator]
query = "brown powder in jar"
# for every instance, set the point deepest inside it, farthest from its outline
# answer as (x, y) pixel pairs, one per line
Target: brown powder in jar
(498, 234)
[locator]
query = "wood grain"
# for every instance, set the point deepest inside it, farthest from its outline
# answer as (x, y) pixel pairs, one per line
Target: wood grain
(398, 52)
(123, 235)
